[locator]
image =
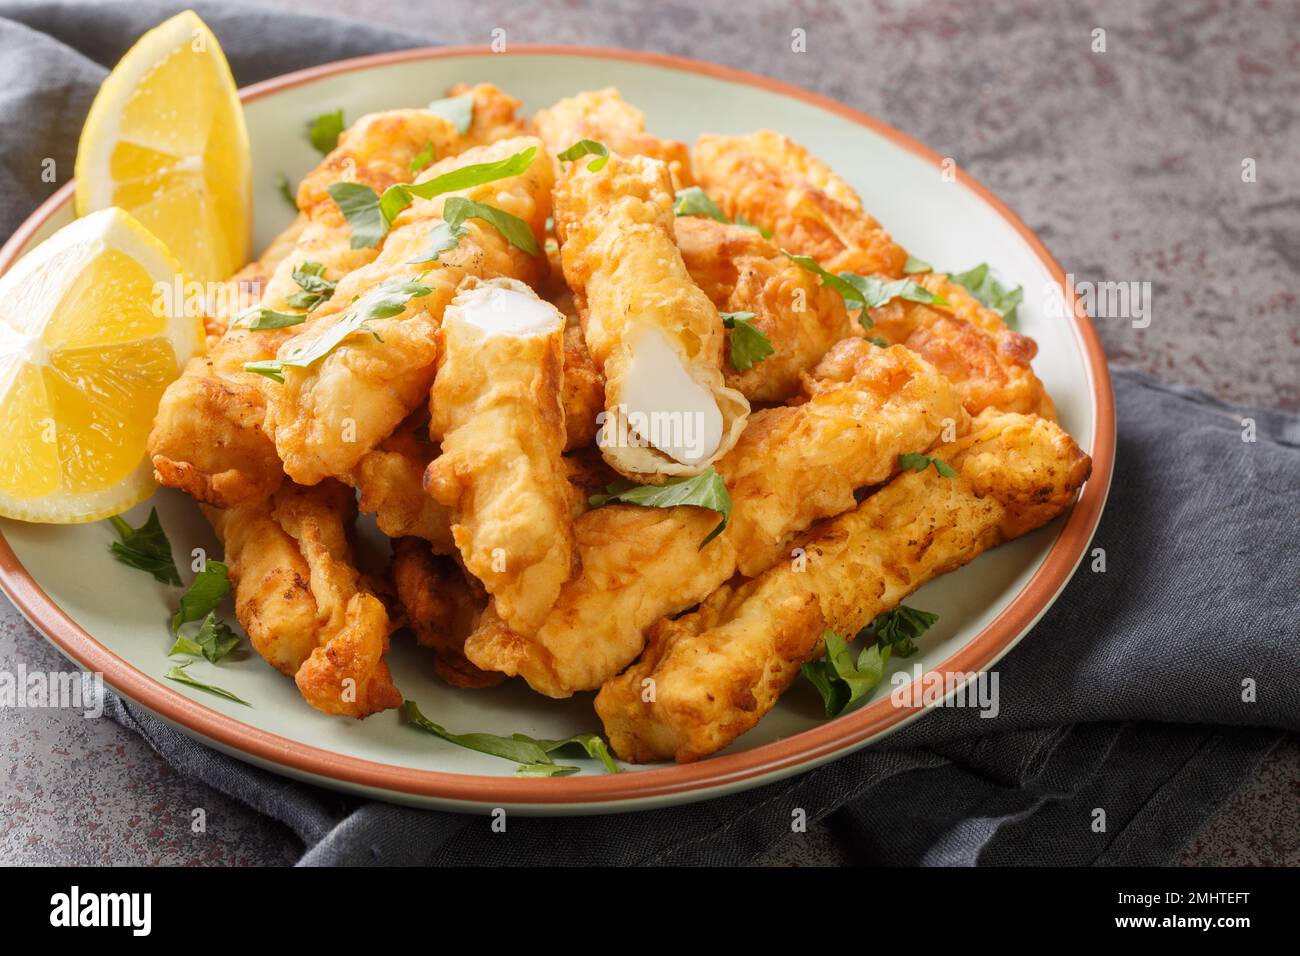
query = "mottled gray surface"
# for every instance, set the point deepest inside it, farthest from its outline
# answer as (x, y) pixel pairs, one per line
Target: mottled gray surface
(1128, 163)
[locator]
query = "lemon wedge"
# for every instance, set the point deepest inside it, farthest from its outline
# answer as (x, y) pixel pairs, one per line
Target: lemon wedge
(165, 140)
(92, 330)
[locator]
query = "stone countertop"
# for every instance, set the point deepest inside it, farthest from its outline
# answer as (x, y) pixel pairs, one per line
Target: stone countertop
(1128, 163)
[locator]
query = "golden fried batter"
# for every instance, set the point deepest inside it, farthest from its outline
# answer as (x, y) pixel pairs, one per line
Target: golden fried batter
(494, 116)
(441, 604)
(327, 416)
(247, 287)
(740, 271)
(209, 437)
(771, 180)
(390, 480)
(792, 467)
(302, 602)
(652, 333)
(711, 675)
(497, 412)
(604, 116)
(971, 345)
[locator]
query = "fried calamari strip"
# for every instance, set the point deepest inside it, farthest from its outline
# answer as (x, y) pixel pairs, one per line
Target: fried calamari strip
(652, 333)
(208, 437)
(971, 345)
(496, 411)
(301, 600)
(793, 466)
(714, 673)
(771, 180)
(494, 117)
(441, 604)
(390, 480)
(327, 416)
(742, 272)
(607, 118)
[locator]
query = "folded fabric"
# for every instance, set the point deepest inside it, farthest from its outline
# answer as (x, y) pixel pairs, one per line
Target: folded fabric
(1132, 696)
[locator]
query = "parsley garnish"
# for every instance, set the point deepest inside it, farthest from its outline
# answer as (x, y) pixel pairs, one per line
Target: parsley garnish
(587, 147)
(694, 201)
(868, 292)
(386, 300)
(915, 461)
(442, 237)
(458, 109)
(213, 640)
(914, 266)
(839, 680)
(532, 755)
(179, 674)
(457, 209)
(281, 182)
(324, 131)
(423, 158)
(260, 320)
(360, 207)
(706, 490)
(900, 627)
(205, 592)
(748, 344)
(980, 283)
(852, 297)
(400, 195)
(145, 548)
(370, 215)
(316, 289)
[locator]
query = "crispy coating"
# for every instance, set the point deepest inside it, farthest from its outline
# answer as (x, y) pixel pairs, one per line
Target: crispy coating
(793, 466)
(209, 437)
(771, 180)
(301, 600)
(247, 287)
(441, 604)
(348, 676)
(616, 233)
(604, 116)
(717, 671)
(971, 345)
(584, 390)
(326, 417)
(740, 271)
(497, 412)
(390, 480)
(495, 115)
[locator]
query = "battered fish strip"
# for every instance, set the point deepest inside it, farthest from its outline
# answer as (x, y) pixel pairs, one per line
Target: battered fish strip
(327, 416)
(712, 674)
(301, 600)
(604, 116)
(208, 436)
(771, 180)
(736, 268)
(652, 333)
(441, 605)
(971, 345)
(793, 466)
(497, 412)
(390, 480)
(494, 117)
(740, 272)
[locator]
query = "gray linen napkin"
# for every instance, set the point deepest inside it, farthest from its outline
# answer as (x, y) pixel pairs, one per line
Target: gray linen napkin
(1127, 697)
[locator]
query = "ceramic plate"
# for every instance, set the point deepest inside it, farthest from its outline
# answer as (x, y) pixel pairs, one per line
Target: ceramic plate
(110, 618)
